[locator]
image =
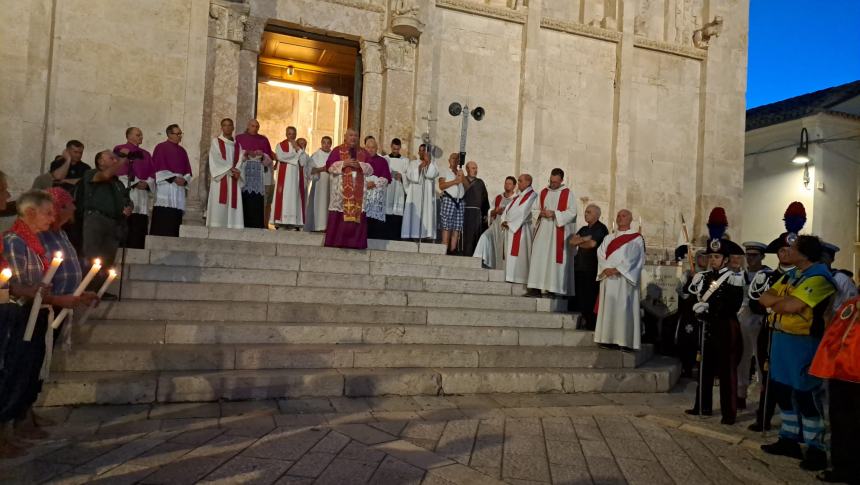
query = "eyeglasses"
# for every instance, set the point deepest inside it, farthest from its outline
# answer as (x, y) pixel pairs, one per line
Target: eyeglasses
(177, 133)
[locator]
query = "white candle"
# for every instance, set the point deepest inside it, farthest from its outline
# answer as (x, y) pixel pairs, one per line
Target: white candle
(108, 281)
(97, 266)
(111, 276)
(37, 300)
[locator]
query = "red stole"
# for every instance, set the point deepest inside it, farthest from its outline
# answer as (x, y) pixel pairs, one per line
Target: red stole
(619, 241)
(498, 202)
(222, 196)
(515, 246)
(559, 231)
(613, 246)
(279, 190)
(353, 189)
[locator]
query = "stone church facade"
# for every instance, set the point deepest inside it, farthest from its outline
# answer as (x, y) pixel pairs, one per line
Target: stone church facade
(641, 102)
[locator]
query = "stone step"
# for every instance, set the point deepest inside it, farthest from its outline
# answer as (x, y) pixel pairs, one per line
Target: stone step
(186, 244)
(300, 238)
(131, 331)
(222, 292)
(240, 276)
(179, 357)
(223, 311)
(77, 388)
(191, 274)
(172, 259)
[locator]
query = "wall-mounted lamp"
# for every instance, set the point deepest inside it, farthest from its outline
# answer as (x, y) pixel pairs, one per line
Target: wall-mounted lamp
(801, 156)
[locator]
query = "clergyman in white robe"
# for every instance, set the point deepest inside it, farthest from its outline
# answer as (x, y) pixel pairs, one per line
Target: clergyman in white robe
(618, 319)
(419, 213)
(225, 191)
(395, 195)
(288, 203)
(316, 213)
(551, 256)
(491, 244)
(518, 238)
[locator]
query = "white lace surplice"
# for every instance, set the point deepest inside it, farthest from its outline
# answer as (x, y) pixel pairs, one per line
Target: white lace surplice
(374, 199)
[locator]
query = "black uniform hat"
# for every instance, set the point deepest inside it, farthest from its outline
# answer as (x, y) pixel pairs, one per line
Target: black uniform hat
(795, 219)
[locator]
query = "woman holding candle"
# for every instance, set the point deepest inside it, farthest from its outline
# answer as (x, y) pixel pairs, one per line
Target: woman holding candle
(11, 316)
(29, 261)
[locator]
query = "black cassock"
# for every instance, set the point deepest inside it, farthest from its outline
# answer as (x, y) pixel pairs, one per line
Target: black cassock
(477, 205)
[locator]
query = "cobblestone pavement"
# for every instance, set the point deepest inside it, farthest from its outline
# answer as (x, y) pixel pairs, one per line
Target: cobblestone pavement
(470, 440)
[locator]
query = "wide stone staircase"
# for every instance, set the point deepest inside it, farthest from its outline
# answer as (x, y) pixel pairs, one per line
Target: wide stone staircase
(252, 314)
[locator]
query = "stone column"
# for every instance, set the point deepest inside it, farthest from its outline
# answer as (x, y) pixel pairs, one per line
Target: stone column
(399, 91)
(371, 94)
(226, 35)
(720, 164)
(246, 103)
(621, 106)
(529, 84)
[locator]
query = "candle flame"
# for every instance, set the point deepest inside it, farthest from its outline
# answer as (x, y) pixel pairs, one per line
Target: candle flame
(97, 262)
(6, 273)
(58, 255)
(112, 273)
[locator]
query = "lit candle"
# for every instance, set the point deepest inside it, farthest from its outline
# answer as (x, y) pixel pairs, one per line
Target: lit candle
(97, 266)
(108, 281)
(112, 274)
(37, 300)
(640, 224)
(5, 276)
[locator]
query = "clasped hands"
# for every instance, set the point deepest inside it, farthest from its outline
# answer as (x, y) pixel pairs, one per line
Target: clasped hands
(609, 272)
(547, 214)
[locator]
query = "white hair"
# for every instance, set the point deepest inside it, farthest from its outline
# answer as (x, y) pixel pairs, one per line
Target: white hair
(33, 199)
(596, 208)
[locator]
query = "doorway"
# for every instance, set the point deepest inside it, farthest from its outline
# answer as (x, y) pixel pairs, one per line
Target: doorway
(309, 81)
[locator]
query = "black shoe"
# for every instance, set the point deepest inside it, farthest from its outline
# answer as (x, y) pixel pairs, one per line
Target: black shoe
(815, 459)
(109, 297)
(727, 420)
(695, 412)
(757, 427)
(742, 403)
(783, 447)
(533, 293)
(628, 350)
(835, 476)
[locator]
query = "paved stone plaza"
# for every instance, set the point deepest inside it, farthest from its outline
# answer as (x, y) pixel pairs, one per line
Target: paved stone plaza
(470, 439)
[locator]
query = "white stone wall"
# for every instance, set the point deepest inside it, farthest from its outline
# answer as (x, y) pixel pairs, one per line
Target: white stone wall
(663, 143)
(478, 65)
(102, 71)
(614, 91)
(771, 182)
(574, 119)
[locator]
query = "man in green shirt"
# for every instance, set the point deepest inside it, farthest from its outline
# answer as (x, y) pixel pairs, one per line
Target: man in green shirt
(104, 203)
